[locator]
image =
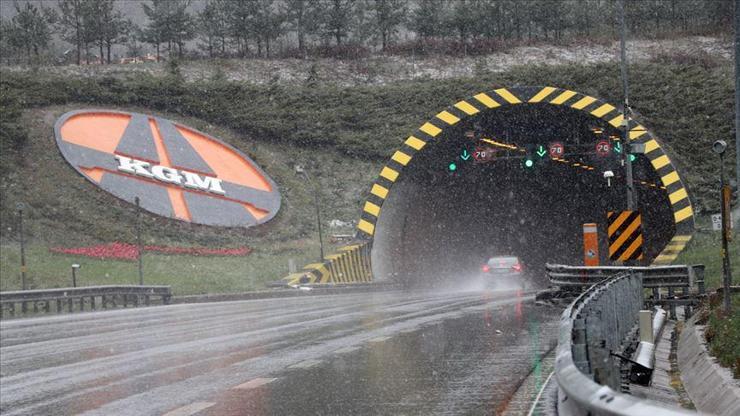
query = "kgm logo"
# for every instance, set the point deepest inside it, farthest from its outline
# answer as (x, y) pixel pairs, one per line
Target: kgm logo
(174, 170)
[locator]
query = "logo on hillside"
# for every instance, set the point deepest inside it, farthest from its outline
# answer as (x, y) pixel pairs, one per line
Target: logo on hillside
(174, 170)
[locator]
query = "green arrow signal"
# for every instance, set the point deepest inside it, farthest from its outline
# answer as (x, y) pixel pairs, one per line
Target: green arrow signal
(541, 152)
(618, 147)
(465, 155)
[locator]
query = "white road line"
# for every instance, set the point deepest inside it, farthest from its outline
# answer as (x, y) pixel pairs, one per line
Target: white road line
(306, 364)
(346, 350)
(537, 399)
(254, 383)
(380, 339)
(189, 409)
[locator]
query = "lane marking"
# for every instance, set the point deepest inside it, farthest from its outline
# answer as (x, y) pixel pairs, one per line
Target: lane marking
(380, 339)
(346, 350)
(306, 364)
(189, 409)
(539, 395)
(254, 383)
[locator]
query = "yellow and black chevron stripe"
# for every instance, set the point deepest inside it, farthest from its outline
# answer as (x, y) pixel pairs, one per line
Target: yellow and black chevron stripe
(433, 129)
(351, 264)
(671, 251)
(624, 230)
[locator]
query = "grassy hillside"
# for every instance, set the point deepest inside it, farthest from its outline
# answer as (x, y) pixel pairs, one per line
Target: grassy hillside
(343, 134)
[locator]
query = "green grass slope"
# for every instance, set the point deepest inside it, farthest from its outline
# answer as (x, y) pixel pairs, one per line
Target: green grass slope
(342, 134)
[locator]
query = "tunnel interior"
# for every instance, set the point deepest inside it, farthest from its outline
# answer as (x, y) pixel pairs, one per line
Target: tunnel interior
(448, 213)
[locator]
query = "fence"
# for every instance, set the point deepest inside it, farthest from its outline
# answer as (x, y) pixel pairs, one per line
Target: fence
(349, 265)
(593, 327)
(77, 299)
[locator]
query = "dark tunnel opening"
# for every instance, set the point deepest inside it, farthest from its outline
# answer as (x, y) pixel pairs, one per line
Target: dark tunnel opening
(439, 225)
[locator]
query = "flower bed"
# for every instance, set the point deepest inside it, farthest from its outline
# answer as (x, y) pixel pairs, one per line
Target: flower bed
(124, 251)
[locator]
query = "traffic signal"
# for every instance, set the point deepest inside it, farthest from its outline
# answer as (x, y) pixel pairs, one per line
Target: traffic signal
(529, 157)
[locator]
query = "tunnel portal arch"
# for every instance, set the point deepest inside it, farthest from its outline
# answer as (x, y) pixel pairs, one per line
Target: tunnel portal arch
(430, 132)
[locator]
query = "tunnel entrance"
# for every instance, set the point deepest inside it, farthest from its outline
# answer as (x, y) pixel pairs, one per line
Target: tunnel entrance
(469, 193)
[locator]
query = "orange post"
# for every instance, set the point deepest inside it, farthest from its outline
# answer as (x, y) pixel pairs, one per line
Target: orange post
(590, 244)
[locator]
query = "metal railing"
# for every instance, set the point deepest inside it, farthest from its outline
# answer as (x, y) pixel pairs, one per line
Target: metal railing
(593, 327)
(671, 285)
(26, 302)
(678, 276)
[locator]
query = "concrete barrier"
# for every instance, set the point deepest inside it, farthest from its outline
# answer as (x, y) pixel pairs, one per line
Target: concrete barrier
(709, 385)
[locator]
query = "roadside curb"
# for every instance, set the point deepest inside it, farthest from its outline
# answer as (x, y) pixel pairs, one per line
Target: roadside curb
(282, 293)
(709, 385)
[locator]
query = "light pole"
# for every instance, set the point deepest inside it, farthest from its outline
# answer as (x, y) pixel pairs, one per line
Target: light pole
(626, 148)
(737, 91)
(75, 267)
(719, 147)
(300, 171)
(138, 239)
(22, 239)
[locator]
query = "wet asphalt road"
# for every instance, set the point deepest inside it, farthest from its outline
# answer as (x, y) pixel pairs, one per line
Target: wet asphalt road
(360, 353)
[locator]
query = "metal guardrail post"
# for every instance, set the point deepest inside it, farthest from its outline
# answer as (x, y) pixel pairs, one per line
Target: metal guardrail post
(580, 350)
(672, 307)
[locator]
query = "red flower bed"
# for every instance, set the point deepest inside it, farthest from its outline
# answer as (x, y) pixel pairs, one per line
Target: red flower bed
(123, 251)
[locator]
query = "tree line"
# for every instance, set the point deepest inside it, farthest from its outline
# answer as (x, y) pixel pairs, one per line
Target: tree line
(253, 28)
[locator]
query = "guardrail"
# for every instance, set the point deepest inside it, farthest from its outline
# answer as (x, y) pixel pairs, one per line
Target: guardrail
(653, 276)
(593, 327)
(76, 299)
(677, 281)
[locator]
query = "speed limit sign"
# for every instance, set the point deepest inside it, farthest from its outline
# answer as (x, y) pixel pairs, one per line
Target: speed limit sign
(603, 148)
(556, 150)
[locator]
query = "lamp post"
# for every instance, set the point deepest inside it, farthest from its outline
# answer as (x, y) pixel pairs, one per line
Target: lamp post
(138, 239)
(22, 239)
(626, 148)
(300, 171)
(719, 147)
(75, 267)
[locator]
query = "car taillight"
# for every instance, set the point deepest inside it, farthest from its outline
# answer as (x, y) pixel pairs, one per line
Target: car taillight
(485, 268)
(517, 267)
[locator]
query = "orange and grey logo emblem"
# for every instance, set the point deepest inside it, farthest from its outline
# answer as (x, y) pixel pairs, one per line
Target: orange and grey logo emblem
(174, 170)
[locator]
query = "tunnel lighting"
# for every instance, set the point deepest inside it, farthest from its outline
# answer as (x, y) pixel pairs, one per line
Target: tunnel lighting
(452, 167)
(500, 144)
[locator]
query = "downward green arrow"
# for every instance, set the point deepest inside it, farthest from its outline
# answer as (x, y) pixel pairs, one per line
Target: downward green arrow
(465, 155)
(618, 147)
(541, 151)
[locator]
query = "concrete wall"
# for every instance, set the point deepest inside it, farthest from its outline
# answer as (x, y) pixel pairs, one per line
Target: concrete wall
(709, 385)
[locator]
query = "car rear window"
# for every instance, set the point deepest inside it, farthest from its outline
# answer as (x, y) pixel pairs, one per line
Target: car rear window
(502, 262)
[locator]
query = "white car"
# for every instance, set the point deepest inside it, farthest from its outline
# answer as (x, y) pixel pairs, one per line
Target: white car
(503, 272)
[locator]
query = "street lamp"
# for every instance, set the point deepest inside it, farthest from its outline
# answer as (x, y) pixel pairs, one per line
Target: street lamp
(719, 147)
(75, 267)
(137, 201)
(20, 206)
(300, 171)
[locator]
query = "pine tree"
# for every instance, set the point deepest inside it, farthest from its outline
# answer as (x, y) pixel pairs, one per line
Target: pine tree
(389, 16)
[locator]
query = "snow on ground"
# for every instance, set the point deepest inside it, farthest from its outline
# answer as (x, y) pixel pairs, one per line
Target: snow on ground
(384, 69)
